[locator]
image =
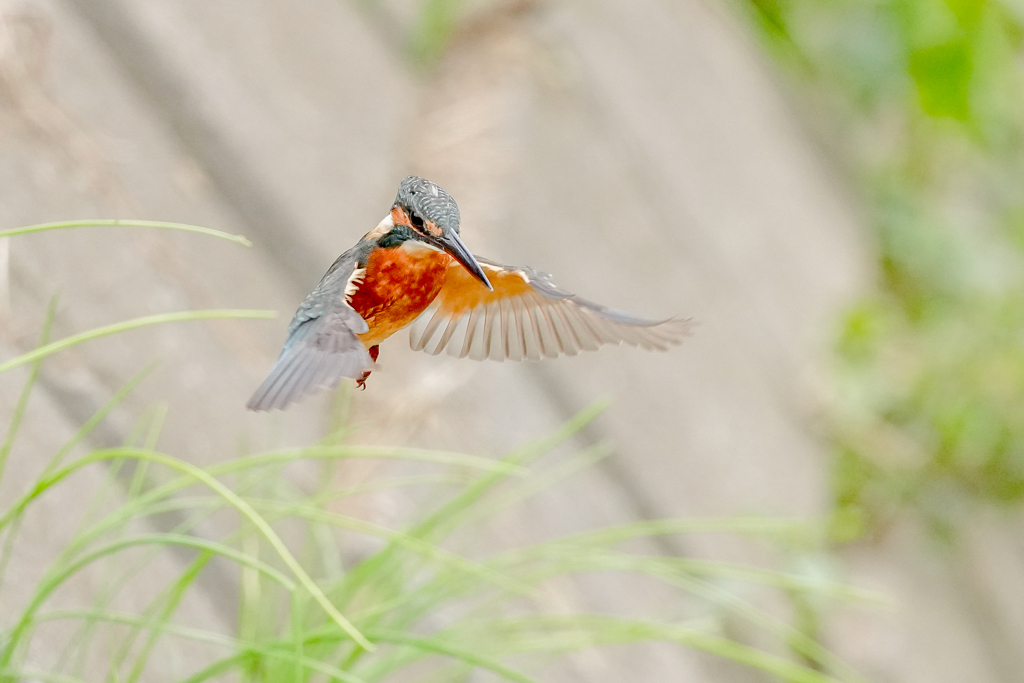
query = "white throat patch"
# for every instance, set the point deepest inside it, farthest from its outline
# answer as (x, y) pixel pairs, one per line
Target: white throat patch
(416, 247)
(383, 228)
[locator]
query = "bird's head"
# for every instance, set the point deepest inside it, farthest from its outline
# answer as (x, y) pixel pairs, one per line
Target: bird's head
(433, 217)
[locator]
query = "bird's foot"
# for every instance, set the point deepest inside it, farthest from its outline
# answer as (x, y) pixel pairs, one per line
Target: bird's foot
(361, 382)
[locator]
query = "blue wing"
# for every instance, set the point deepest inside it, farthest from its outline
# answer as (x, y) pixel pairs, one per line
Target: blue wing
(322, 346)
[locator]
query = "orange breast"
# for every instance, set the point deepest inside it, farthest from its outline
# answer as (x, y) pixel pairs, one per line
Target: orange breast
(397, 286)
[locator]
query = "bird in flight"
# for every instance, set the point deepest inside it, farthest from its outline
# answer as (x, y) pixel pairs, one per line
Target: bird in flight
(413, 269)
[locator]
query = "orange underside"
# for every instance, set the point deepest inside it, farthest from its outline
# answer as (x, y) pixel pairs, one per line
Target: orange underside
(463, 292)
(397, 287)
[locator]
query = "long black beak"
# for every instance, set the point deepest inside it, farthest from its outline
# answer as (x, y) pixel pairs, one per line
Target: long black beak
(452, 244)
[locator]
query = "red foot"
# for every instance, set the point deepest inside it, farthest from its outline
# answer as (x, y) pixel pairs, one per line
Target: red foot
(361, 382)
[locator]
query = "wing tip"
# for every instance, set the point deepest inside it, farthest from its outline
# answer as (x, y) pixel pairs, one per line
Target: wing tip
(305, 371)
(677, 329)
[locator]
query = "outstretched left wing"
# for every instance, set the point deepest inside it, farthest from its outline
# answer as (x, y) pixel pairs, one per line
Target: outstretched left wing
(527, 317)
(323, 344)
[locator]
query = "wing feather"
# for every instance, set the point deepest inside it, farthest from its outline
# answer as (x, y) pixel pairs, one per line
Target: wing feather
(588, 340)
(531, 339)
(471, 325)
(449, 332)
(538, 336)
(510, 336)
(519, 327)
(485, 346)
(429, 330)
(287, 383)
(551, 343)
(564, 344)
(604, 333)
(572, 344)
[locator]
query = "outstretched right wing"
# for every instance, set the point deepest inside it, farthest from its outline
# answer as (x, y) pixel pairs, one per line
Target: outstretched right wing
(527, 317)
(322, 346)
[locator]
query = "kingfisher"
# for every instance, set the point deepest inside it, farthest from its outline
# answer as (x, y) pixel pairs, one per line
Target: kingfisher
(413, 269)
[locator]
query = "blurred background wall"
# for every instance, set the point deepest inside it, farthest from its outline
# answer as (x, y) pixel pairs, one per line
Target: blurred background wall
(830, 192)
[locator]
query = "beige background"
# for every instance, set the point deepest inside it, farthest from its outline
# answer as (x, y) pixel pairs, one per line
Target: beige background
(641, 151)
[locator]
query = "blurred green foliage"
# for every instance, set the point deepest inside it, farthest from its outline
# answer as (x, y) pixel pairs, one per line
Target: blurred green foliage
(924, 100)
(433, 29)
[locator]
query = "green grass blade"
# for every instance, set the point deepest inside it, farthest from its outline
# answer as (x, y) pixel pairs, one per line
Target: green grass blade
(18, 675)
(160, 225)
(170, 605)
(344, 452)
(567, 633)
(438, 524)
(776, 579)
(97, 418)
(240, 661)
(108, 617)
(223, 666)
(538, 483)
(424, 549)
(790, 530)
(569, 559)
(126, 325)
(400, 453)
(12, 432)
(297, 641)
(7, 549)
(19, 409)
(55, 579)
(441, 647)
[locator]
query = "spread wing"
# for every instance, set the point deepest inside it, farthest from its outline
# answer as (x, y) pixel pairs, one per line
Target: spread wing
(527, 316)
(322, 346)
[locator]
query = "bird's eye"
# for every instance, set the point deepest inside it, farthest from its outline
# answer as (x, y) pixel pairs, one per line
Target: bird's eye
(416, 221)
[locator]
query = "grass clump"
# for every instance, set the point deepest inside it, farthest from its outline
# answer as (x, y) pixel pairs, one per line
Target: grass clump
(430, 599)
